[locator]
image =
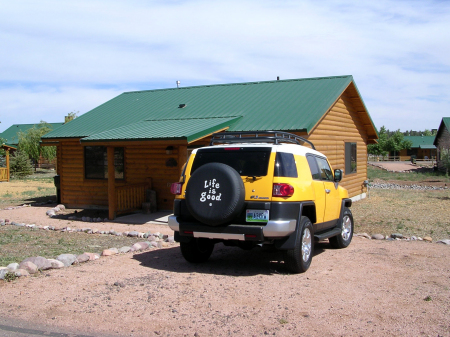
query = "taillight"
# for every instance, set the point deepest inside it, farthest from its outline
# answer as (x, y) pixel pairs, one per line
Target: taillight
(282, 190)
(176, 188)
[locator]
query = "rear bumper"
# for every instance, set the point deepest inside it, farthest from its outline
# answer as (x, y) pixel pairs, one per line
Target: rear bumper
(272, 229)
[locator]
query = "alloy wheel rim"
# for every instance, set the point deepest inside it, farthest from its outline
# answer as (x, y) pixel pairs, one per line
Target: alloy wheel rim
(346, 228)
(306, 244)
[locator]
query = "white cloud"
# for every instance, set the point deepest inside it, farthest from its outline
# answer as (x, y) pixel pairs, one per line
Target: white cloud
(396, 50)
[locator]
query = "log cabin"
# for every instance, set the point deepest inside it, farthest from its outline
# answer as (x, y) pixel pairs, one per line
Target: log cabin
(110, 156)
(442, 142)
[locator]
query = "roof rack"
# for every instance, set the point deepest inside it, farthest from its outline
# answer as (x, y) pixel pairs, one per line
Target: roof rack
(275, 137)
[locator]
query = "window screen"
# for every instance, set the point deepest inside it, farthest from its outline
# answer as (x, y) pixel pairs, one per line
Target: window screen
(285, 165)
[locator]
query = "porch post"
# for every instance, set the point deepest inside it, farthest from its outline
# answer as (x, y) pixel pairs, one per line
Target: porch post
(111, 184)
(7, 165)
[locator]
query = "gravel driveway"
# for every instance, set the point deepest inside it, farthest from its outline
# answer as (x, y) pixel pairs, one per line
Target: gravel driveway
(372, 288)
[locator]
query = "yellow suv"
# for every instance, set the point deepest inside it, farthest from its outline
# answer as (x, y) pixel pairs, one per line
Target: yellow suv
(248, 189)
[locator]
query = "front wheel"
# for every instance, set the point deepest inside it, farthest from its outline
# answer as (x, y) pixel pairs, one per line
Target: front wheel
(345, 237)
(197, 250)
(298, 260)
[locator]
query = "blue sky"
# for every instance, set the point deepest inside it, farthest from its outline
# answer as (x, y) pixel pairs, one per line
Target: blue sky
(62, 56)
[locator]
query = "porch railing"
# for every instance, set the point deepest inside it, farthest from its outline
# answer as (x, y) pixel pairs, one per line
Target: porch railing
(130, 197)
(4, 174)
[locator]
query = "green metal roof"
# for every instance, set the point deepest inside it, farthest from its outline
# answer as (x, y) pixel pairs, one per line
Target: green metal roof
(296, 104)
(421, 141)
(189, 129)
(11, 134)
(445, 123)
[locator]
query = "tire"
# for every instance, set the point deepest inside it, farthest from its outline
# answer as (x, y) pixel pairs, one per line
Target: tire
(197, 250)
(215, 194)
(299, 259)
(343, 240)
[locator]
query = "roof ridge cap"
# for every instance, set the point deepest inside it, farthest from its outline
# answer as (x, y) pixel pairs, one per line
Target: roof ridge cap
(241, 83)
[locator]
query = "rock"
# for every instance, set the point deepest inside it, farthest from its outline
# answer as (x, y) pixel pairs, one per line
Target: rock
(390, 239)
(397, 236)
(428, 239)
(82, 258)
(56, 264)
(29, 267)
(141, 235)
(61, 207)
(124, 249)
(133, 234)
(154, 244)
(92, 256)
(445, 241)
(363, 235)
(171, 239)
(112, 232)
(13, 266)
(413, 238)
(67, 259)
(50, 212)
(3, 272)
(110, 251)
(21, 272)
(41, 262)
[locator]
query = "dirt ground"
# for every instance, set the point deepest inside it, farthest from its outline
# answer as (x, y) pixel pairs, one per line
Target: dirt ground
(372, 288)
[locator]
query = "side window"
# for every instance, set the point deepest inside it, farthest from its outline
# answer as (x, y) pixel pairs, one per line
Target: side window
(313, 167)
(324, 169)
(96, 162)
(285, 165)
(350, 158)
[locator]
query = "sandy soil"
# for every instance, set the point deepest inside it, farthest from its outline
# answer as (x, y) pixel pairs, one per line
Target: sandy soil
(372, 288)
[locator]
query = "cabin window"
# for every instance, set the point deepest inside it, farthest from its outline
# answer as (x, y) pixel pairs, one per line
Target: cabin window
(96, 162)
(350, 158)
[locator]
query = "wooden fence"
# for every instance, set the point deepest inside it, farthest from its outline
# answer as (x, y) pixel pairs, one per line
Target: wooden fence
(130, 197)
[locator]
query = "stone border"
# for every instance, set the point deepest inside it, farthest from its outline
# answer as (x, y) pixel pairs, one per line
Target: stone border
(32, 265)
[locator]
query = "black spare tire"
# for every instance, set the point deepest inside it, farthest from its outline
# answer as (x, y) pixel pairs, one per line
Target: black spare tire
(215, 194)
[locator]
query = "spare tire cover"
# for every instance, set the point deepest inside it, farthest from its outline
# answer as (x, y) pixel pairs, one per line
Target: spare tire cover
(215, 194)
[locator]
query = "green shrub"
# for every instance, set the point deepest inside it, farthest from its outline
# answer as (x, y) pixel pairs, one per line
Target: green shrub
(20, 165)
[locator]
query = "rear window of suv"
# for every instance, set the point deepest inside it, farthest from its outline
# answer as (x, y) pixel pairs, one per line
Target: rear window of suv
(247, 161)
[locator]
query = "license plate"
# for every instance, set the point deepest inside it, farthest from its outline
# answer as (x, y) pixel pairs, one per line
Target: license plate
(257, 215)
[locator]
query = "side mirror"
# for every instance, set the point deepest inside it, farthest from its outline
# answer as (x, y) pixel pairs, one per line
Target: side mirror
(338, 175)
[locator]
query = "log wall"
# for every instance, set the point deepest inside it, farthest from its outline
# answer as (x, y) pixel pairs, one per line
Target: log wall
(340, 125)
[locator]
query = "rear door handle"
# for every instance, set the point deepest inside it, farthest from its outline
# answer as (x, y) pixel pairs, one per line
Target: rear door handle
(327, 190)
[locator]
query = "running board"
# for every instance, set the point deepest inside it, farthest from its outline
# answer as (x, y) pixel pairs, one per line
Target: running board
(326, 235)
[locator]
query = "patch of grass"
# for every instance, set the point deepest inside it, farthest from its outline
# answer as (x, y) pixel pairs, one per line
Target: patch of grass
(18, 243)
(428, 298)
(28, 193)
(417, 212)
(7, 195)
(282, 321)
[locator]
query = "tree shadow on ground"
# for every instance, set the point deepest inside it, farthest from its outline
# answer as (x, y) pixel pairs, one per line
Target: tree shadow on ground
(223, 261)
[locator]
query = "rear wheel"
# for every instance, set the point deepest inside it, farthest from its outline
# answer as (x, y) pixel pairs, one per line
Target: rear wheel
(343, 240)
(298, 260)
(197, 250)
